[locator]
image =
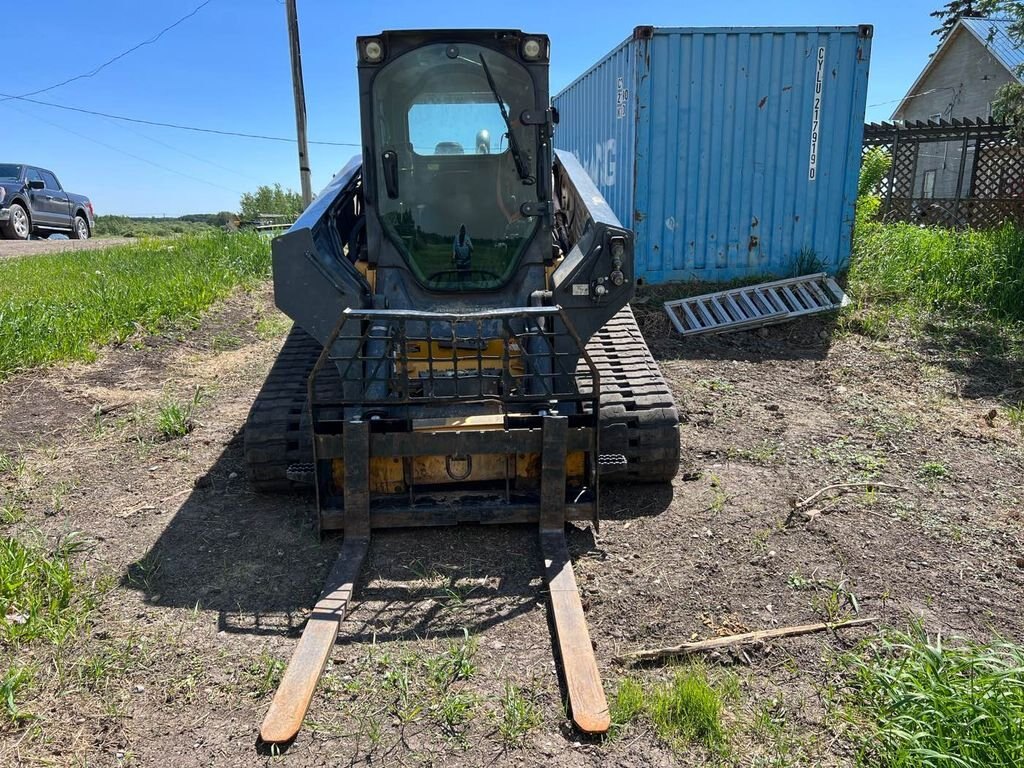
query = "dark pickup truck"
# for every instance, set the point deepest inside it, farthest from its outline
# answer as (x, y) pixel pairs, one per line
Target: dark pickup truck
(33, 201)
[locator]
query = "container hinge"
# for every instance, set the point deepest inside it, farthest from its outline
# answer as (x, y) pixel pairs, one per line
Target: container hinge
(534, 208)
(538, 117)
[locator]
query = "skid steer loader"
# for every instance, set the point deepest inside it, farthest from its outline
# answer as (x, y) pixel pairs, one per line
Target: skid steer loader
(463, 348)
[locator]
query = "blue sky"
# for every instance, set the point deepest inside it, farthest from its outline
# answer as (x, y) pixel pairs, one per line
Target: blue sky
(227, 68)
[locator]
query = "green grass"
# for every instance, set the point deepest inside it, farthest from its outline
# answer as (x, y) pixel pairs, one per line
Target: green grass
(627, 704)
(8, 464)
(517, 716)
(687, 709)
(39, 594)
(61, 306)
(933, 470)
(1015, 415)
(454, 663)
(272, 325)
(907, 269)
(264, 674)
(175, 419)
(12, 509)
(931, 705)
(14, 682)
(401, 681)
(719, 498)
(414, 687)
(684, 710)
(715, 385)
(844, 453)
(226, 341)
(454, 710)
(104, 662)
(766, 453)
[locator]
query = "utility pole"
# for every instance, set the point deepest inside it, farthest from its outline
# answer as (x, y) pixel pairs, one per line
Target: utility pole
(300, 102)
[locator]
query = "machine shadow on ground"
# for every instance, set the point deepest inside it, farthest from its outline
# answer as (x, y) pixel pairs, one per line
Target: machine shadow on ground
(258, 562)
(981, 357)
(984, 361)
(803, 339)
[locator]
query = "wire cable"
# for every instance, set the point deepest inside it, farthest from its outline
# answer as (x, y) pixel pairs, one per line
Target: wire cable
(119, 56)
(913, 96)
(175, 126)
(181, 151)
(123, 152)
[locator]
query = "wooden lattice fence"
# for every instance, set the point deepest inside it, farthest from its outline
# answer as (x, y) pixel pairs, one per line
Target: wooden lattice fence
(955, 174)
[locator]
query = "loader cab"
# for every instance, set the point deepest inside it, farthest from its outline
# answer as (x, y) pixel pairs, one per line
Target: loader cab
(457, 156)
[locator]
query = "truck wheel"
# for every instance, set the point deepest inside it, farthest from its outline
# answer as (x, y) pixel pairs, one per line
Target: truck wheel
(81, 229)
(19, 225)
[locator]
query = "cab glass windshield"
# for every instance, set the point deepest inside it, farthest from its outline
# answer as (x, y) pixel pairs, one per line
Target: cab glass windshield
(9, 172)
(449, 187)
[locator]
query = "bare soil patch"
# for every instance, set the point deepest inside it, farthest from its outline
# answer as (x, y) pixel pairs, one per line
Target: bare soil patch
(205, 584)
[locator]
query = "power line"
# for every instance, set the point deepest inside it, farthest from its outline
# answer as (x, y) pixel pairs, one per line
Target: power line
(175, 126)
(119, 56)
(123, 152)
(912, 96)
(181, 151)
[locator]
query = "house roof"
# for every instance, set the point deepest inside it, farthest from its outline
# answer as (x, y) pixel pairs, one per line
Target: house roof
(994, 34)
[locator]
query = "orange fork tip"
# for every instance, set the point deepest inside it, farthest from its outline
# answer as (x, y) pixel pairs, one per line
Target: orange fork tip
(595, 723)
(295, 691)
(277, 734)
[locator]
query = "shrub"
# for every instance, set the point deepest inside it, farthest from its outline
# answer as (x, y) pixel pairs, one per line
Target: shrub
(873, 168)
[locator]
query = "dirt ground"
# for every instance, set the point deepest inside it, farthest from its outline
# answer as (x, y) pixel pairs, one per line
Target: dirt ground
(204, 584)
(11, 248)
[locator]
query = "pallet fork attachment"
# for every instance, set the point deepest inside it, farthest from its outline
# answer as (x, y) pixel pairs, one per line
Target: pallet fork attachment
(586, 695)
(587, 700)
(294, 694)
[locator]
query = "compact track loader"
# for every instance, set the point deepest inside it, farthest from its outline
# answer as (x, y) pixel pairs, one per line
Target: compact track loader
(463, 349)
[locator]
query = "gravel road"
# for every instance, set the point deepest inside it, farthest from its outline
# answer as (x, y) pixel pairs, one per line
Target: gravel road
(13, 248)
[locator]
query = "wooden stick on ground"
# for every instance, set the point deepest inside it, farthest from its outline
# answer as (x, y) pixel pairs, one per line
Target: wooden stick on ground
(746, 638)
(847, 486)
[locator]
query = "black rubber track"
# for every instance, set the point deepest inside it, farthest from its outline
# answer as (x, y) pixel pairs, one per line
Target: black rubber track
(638, 415)
(274, 437)
(634, 394)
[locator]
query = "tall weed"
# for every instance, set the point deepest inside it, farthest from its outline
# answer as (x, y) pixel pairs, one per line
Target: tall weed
(970, 272)
(927, 703)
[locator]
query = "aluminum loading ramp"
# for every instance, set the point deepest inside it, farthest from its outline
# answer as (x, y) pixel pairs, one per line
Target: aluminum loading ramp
(756, 305)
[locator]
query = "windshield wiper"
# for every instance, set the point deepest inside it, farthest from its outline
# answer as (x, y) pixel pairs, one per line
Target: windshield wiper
(513, 143)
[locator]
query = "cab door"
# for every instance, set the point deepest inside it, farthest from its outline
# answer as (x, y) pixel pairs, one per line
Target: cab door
(41, 213)
(58, 205)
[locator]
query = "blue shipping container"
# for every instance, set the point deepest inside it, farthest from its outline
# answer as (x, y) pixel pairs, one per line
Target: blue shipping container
(733, 152)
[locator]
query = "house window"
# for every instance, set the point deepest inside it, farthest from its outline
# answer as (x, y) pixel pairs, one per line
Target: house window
(928, 184)
(937, 118)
